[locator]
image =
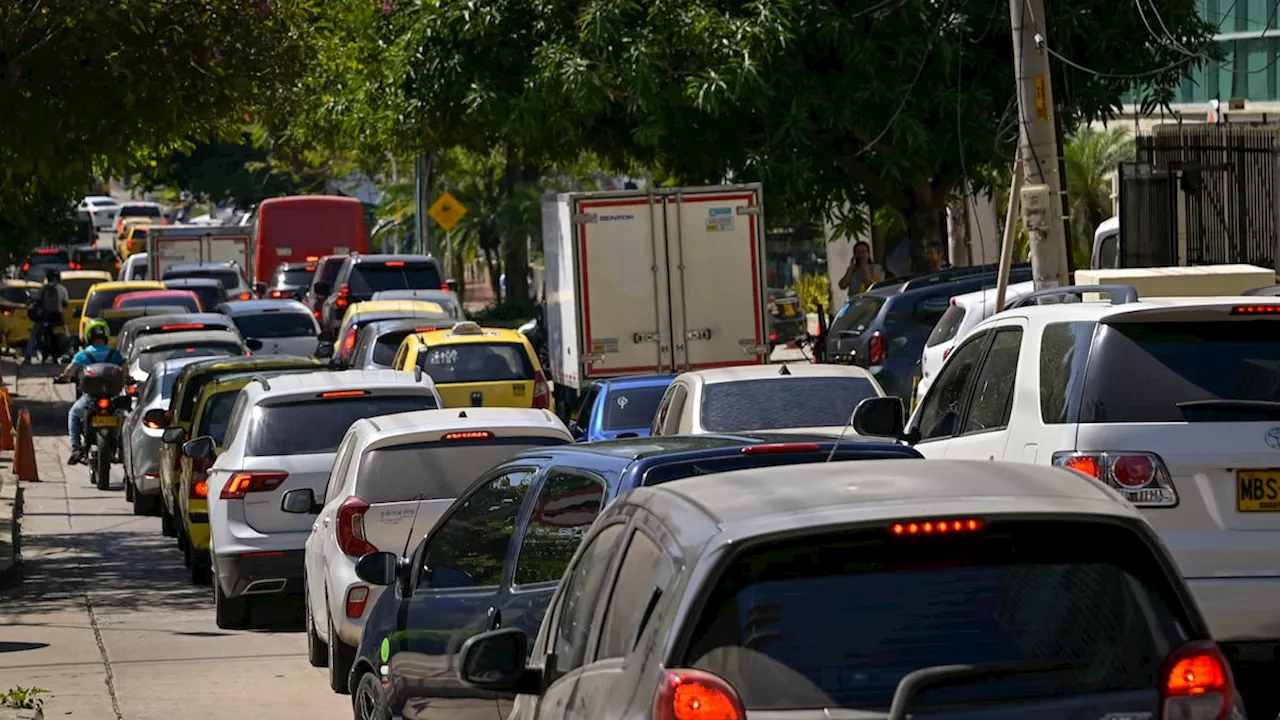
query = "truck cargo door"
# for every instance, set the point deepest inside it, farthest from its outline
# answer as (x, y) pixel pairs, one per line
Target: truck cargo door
(230, 248)
(167, 251)
(715, 241)
(622, 276)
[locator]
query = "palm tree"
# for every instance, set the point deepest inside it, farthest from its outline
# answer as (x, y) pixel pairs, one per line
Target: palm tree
(1091, 157)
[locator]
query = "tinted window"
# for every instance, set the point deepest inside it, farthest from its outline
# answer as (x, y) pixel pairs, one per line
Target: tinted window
(579, 596)
(59, 257)
(78, 289)
(931, 309)
(184, 301)
(792, 402)
(369, 278)
(940, 409)
(434, 470)
(317, 426)
(567, 505)
(848, 615)
(993, 392)
(947, 327)
(1140, 372)
(139, 211)
(210, 295)
(643, 576)
(385, 347)
(102, 300)
(216, 415)
(275, 325)
(857, 314)
(294, 278)
(477, 362)
(329, 269)
(94, 255)
(679, 470)
(16, 295)
(630, 408)
(469, 546)
(229, 279)
(1064, 347)
(148, 360)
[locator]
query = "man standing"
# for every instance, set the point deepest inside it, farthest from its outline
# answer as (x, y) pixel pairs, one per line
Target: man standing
(51, 303)
(935, 258)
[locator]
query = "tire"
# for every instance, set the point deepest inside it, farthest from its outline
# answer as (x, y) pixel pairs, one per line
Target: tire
(142, 504)
(102, 470)
(229, 613)
(167, 528)
(317, 650)
(368, 702)
(201, 568)
(341, 657)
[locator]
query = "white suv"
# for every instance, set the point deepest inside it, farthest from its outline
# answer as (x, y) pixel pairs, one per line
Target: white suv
(282, 435)
(392, 480)
(1174, 402)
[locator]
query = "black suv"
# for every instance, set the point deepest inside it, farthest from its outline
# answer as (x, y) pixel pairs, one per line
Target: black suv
(362, 276)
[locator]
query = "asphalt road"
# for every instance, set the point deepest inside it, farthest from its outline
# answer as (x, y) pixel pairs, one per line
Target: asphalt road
(107, 621)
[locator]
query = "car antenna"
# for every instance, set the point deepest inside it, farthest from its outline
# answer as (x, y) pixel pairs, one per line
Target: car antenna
(836, 445)
(785, 370)
(408, 537)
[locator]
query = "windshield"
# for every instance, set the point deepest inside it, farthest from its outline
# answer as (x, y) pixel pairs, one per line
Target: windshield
(317, 426)
(300, 277)
(477, 362)
(857, 314)
(187, 302)
(792, 402)
(837, 620)
(78, 288)
(631, 408)
(216, 414)
(147, 360)
(947, 327)
(435, 470)
(94, 255)
(276, 325)
(139, 211)
(369, 278)
(229, 279)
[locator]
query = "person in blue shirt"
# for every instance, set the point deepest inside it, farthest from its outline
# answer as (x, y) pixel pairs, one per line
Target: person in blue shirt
(98, 333)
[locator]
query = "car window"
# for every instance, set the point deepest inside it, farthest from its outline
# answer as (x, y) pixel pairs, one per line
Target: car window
(369, 278)
(583, 583)
(941, 406)
(328, 270)
(676, 410)
(296, 277)
(147, 360)
(857, 315)
(139, 211)
(947, 327)
(928, 311)
(993, 390)
(237, 418)
(645, 574)
(469, 546)
(317, 426)
(265, 326)
(664, 409)
(217, 412)
(228, 279)
(1064, 348)
(342, 461)
(566, 506)
(102, 300)
(477, 362)
(837, 620)
(793, 402)
(16, 295)
(583, 414)
(188, 303)
(78, 288)
(385, 347)
(435, 470)
(631, 408)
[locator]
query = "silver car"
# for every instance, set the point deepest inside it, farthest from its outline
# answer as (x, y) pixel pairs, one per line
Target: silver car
(446, 299)
(142, 433)
(284, 327)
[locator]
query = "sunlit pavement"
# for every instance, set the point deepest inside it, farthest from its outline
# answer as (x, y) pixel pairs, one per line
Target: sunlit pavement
(107, 620)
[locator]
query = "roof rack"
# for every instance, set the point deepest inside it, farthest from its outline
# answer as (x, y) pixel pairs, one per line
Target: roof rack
(1120, 294)
(943, 276)
(262, 379)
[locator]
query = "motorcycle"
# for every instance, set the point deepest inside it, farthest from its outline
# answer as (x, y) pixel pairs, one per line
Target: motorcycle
(104, 383)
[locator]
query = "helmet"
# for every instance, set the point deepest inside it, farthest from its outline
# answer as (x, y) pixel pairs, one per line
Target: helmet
(97, 329)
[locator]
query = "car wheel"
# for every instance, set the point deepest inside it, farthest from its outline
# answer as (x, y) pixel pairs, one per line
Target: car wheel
(229, 613)
(142, 504)
(341, 657)
(166, 521)
(201, 568)
(368, 701)
(317, 651)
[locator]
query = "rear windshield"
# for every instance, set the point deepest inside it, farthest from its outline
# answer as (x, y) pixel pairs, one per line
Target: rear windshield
(209, 296)
(95, 255)
(139, 211)
(682, 469)
(1141, 372)
(386, 347)
(137, 271)
(217, 411)
(229, 279)
(116, 323)
(837, 620)
(947, 327)
(77, 288)
(51, 258)
(276, 325)
(629, 408)
(317, 426)
(104, 299)
(435, 470)
(147, 360)
(477, 362)
(792, 402)
(186, 302)
(369, 278)
(857, 314)
(329, 269)
(294, 278)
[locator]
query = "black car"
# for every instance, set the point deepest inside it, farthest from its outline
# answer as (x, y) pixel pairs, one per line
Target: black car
(326, 270)
(363, 276)
(290, 281)
(42, 260)
(507, 545)
(234, 283)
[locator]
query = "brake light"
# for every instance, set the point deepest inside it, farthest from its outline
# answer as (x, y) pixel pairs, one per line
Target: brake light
(117, 264)
(175, 328)
(26, 267)
(312, 258)
(350, 530)
(1141, 477)
(936, 527)
(349, 342)
(131, 390)
(696, 695)
(245, 296)
(103, 403)
(356, 599)
(875, 350)
(243, 483)
(1256, 310)
(779, 448)
(541, 391)
(427, 328)
(309, 268)
(1196, 683)
(773, 337)
(276, 294)
(47, 251)
(343, 300)
(467, 435)
(343, 393)
(445, 286)
(395, 263)
(74, 266)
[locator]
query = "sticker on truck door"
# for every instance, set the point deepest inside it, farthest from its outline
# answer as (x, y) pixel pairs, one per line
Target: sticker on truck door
(720, 219)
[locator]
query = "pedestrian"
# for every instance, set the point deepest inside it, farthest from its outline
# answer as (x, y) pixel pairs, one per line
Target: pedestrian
(862, 273)
(50, 303)
(935, 258)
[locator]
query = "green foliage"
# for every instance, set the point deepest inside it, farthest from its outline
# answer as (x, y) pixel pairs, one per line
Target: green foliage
(1092, 156)
(814, 291)
(23, 698)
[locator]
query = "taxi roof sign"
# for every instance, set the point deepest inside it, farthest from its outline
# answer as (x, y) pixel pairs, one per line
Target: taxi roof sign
(468, 328)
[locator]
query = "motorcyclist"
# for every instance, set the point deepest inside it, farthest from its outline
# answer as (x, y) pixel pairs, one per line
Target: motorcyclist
(97, 333)
(51, 302)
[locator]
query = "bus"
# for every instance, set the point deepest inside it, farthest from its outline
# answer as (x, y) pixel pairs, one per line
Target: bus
(306, 227)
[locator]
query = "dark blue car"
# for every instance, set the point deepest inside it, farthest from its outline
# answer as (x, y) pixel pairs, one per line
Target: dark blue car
(495, 557)
(618, 408)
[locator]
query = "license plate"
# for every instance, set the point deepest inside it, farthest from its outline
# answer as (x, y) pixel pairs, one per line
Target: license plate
(104, 421)
(788, 310)
(1258, 490)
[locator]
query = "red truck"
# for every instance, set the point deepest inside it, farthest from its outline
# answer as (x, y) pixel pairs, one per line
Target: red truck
(307, 227)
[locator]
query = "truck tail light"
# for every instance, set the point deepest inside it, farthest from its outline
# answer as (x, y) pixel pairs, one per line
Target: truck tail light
(356, 599)
(541, 391)
(875, 349)
(350, 530)
(1141, 477)
(696, 695)
(243, 483)
(1196, 684)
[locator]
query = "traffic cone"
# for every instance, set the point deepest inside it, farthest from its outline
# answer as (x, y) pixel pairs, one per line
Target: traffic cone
(6, 421)
(24, 456)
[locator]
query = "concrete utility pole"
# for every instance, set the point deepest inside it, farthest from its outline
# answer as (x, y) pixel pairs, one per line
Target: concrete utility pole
(1041, 196)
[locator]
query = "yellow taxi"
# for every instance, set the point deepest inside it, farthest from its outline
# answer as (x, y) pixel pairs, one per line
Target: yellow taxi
(363, 313)
(132, 237)
(15, 326)
(478, 367)
(103, 295)
(78, 283)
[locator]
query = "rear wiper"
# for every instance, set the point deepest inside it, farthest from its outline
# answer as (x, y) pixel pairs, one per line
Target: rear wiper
(1230, 404)
(943, 675)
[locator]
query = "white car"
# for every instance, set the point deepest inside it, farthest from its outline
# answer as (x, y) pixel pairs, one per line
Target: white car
(799, 398)
(282, 435)
(1173, 402)
(965, 312)
(284, 327)
(142, 431)
(134, 268)
(100, 210)
(392, 480)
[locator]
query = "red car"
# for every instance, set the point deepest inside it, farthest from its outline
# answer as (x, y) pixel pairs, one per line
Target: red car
(176, 298)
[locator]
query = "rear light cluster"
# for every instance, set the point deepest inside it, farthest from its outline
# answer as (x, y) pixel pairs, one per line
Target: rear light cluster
(1141, 477)
(349, 342)
(1256, 310)
(245, 296)
(1196, 684)
(350, 530)
(467, 435)
(541, 391)
(74, 266)
(941, 526)
(696, 695)
(243, 483)
(875, 349)
(343, 298)
(104, 403)
(343, 393)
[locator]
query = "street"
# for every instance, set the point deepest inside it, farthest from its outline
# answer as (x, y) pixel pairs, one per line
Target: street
(106, 620)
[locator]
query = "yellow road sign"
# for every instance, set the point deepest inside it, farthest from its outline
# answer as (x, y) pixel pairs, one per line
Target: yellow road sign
(447, 211)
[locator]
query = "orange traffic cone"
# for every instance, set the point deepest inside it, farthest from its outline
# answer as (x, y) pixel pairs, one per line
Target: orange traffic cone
(6, 421)
(24, 456)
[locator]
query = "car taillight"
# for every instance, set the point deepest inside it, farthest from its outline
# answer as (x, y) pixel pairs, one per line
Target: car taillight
(200, 479)
(243, 483)
(277, 294)
(940, 526)
(445, 286)
(349, 342)
(343, 300)
(74, 266)
(1196, 684)
(117, 264)
(245, 296)
(26, 267)
(1141, 477)
(350, 530)
(777, 448)
(696, 695)
(541, 391)
(356, 598)
(875, 349)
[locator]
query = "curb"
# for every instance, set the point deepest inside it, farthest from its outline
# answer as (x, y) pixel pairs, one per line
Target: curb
(11, 566)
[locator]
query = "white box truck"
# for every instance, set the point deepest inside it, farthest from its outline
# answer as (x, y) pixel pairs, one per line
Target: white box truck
(169, 245)
(653, 281)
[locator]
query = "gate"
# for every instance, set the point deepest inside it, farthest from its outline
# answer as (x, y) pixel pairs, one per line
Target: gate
(1148, 216)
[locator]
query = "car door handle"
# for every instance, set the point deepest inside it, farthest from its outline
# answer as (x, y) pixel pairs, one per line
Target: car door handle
(495, 618)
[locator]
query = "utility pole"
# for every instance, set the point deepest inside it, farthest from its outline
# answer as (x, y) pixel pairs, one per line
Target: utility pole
(1041, 195)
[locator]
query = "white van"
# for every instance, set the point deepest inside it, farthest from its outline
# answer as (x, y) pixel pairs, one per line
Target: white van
(965, 312)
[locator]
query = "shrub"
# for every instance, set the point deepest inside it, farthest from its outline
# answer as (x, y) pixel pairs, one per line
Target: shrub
(814, 291)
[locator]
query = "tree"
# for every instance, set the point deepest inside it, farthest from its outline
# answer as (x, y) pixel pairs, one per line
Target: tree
(1092, 156)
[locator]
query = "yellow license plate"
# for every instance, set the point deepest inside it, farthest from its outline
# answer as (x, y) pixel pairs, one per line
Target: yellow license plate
(104, 421)
(788, 310)
(1258, 490)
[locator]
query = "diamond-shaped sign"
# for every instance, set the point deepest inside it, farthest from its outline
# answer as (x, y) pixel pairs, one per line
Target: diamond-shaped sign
(447, 211)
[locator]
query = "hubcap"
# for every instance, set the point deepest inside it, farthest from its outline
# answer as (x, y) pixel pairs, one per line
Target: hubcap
(364, 702)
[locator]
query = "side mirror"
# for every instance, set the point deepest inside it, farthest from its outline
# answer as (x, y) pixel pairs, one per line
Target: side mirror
(201, 448)
(156, 418)
(324, 350)
(452, 285)
(301, 501)
(173, 436)
(379, 568)
(321, 288)
(254, 344)
(879, 416)
(122, 402)
(496, 661)
(260, 288)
